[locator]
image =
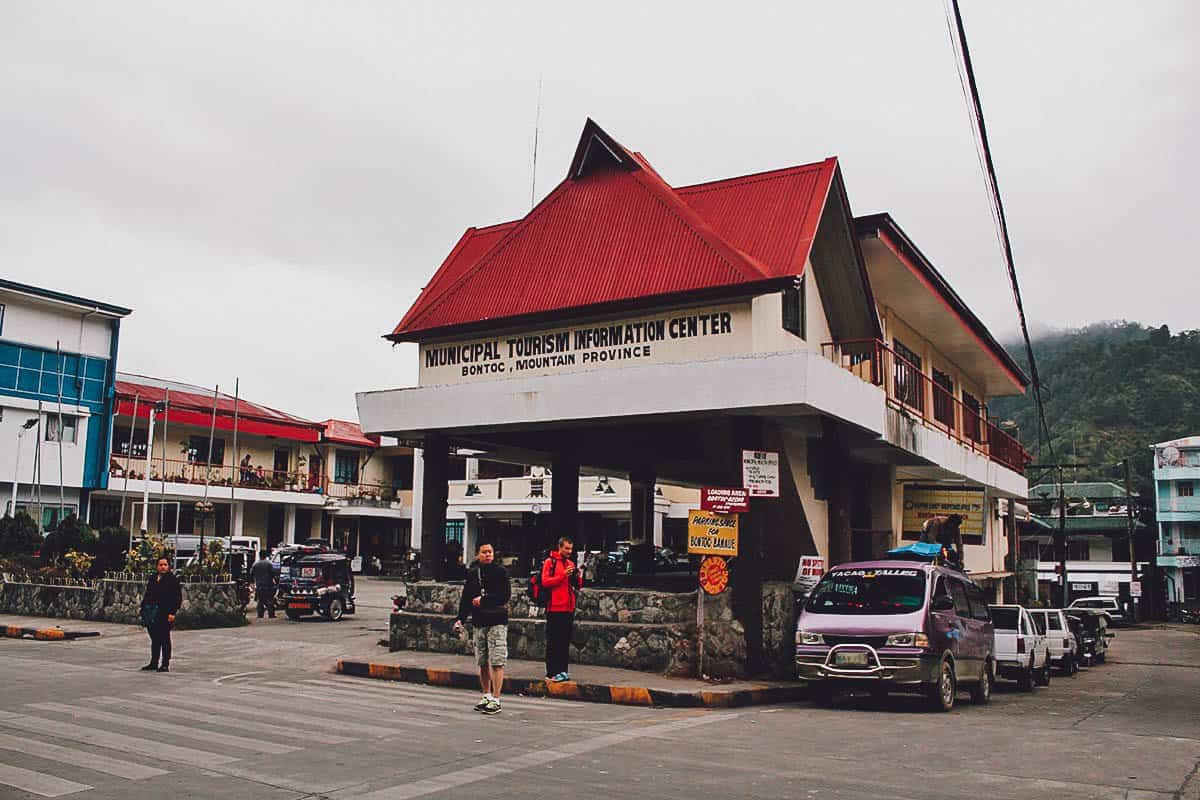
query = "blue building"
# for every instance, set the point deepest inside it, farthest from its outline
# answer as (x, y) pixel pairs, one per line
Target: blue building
(1177, 486)
(58, 364)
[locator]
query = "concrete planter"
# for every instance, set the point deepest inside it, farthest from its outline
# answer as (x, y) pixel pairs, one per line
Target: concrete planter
(205, 605)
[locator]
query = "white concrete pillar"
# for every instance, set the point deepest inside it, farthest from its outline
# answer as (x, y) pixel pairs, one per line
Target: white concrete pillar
(289, 524)
(470, 537)
(238, 521)
(658, 528)
(472, 469)
(418, 488)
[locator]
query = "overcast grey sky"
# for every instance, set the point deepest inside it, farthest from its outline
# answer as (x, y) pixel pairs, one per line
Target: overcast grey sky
(269, 185)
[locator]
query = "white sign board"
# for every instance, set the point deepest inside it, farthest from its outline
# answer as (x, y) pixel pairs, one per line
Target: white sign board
(760, 473)
(1110, 588)
(1135, 588)
(809, 573)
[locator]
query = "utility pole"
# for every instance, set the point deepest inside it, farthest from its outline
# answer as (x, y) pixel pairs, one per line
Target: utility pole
(1133, 570)
(1060, 544)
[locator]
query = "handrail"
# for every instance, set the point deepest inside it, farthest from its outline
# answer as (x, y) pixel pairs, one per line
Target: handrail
(252, 477)
(908, 388)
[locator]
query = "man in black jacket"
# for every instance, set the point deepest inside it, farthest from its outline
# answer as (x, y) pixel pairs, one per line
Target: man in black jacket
(263, 574)
(485, 598)
(160, 603)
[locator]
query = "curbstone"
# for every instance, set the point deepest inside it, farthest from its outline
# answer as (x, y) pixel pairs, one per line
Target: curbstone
(573, 690)
(44, 634)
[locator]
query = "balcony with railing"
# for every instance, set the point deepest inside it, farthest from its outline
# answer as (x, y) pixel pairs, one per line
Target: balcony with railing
(910, 390)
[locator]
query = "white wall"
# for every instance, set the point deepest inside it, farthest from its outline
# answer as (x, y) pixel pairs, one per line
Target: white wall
(15, 411)
(29, 322)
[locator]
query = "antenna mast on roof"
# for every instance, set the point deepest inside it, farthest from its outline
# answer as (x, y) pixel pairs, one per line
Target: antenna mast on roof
(537, 122)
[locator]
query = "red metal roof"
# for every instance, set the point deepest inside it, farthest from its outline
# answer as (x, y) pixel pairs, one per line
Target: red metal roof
(614, 231)
(340, 431)
(193, 405)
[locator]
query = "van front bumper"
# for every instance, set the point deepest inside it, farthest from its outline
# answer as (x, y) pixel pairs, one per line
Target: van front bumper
(898, 666)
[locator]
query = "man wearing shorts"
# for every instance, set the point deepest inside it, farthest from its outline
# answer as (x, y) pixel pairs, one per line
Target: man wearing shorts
(485, 598)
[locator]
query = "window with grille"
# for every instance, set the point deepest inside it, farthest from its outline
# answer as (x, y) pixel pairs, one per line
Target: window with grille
(943, 398)
(908, 386)
(345, 466)
(971, 413)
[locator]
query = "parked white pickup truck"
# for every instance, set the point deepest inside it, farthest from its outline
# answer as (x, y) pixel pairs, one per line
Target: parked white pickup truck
(1022, 653)
(1064, 650)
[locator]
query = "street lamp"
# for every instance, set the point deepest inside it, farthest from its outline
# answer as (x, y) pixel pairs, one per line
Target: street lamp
(25, 427)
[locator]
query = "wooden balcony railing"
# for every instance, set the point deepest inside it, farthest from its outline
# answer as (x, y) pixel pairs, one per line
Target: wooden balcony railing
(910, 389)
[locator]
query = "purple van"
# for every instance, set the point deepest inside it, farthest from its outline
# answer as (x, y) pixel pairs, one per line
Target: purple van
(908, 626)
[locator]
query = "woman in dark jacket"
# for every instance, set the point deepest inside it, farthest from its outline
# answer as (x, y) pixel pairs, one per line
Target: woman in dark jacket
(161, 601)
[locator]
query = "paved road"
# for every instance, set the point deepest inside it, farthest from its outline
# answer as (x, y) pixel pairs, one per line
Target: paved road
(254, 712)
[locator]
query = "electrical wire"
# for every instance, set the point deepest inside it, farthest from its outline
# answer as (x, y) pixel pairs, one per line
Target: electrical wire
(966, 74)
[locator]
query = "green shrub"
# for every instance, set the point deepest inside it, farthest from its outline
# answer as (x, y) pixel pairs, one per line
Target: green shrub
(18, 535)
(71, 533)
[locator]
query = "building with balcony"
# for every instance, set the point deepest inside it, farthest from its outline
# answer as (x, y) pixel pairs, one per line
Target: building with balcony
(267, 473)
(1097, 522)
(58, 360)
(633, 329)
(1177, 508)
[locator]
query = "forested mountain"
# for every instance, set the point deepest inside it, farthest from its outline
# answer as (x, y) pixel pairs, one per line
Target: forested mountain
(1111, 390)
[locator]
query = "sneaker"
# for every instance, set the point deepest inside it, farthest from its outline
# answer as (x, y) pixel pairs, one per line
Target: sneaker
(564, 676)
(482, 704)
(559, 678)
(492, 707)
(150, 668)
(164, 668)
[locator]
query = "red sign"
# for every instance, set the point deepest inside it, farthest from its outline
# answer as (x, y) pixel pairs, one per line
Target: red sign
(714, 574)
(724, 501)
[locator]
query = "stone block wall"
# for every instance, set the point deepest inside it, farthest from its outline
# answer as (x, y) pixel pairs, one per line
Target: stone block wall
(205, 605)
(627, 628)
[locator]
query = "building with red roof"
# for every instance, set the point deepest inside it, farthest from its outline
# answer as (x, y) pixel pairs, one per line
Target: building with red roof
(627, 327)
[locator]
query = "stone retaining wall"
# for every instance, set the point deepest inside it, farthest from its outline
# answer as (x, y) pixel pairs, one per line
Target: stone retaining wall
(205, 605)
(628, 628)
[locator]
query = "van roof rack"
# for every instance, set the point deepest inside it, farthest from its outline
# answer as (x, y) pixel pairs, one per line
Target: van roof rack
(925, 551)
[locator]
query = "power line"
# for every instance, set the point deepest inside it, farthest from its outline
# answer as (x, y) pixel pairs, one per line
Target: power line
(966, 74)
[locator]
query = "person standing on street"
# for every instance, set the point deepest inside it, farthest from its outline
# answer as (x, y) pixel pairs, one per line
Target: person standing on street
(563, 580)
(485, 598)
(160, 603)
(263, 575)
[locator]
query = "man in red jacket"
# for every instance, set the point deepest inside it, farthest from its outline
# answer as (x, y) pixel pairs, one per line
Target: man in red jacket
(563, 580)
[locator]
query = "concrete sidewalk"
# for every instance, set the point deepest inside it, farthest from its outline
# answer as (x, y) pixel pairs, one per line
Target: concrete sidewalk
(589, 683)
(72, 628)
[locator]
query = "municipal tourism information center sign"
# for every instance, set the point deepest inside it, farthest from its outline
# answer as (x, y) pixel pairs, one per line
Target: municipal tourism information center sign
(670, 336)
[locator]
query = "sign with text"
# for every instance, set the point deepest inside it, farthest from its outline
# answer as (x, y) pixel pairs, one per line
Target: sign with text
(714, 574)
(923, 502)
(670, 336)
(1135, 588)
(724, 501)
(760, 473)
(712, 534)
(809, 573)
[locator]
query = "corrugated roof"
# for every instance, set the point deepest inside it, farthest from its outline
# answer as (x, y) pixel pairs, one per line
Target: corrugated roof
(614, 231)
(340, 431)
(1093, 490)
(197, 398)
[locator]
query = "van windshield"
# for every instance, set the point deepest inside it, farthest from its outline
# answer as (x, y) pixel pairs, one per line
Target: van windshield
(869, 591)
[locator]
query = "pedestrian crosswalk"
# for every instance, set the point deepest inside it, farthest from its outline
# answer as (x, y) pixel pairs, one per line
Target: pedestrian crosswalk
(72, 745)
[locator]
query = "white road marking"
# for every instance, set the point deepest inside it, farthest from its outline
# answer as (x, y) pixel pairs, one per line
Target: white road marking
(305, 720)
(428, 708)
(227, 720)
(108, 740)
(392, 689)
(38, 783)
(224, 739)
(220, 680)
(535, 758)
(79, 758)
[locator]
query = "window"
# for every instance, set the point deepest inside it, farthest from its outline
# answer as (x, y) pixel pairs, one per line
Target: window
(979, 605)
(962, 607)
(1, 319)
(1054, 620)
(908, 388)
(795, 314)
(1185, 488)
(1078, 550)
(197, 451)
(943, 398)
(971, 413)
(70, 425)
(345, 466)
(1039, 621)
(121, 445)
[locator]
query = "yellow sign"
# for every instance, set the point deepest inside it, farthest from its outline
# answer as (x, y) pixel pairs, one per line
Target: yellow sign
(712, 534)
(923, 502)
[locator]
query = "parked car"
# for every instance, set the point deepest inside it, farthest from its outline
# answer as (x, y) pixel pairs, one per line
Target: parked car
(1064, 647)
(896, 626)
(318, 583)
(1093, 644)
(1022, 654)
(1109, 605)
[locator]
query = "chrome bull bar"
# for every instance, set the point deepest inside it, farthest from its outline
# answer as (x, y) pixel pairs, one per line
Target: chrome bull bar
(856, 672)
